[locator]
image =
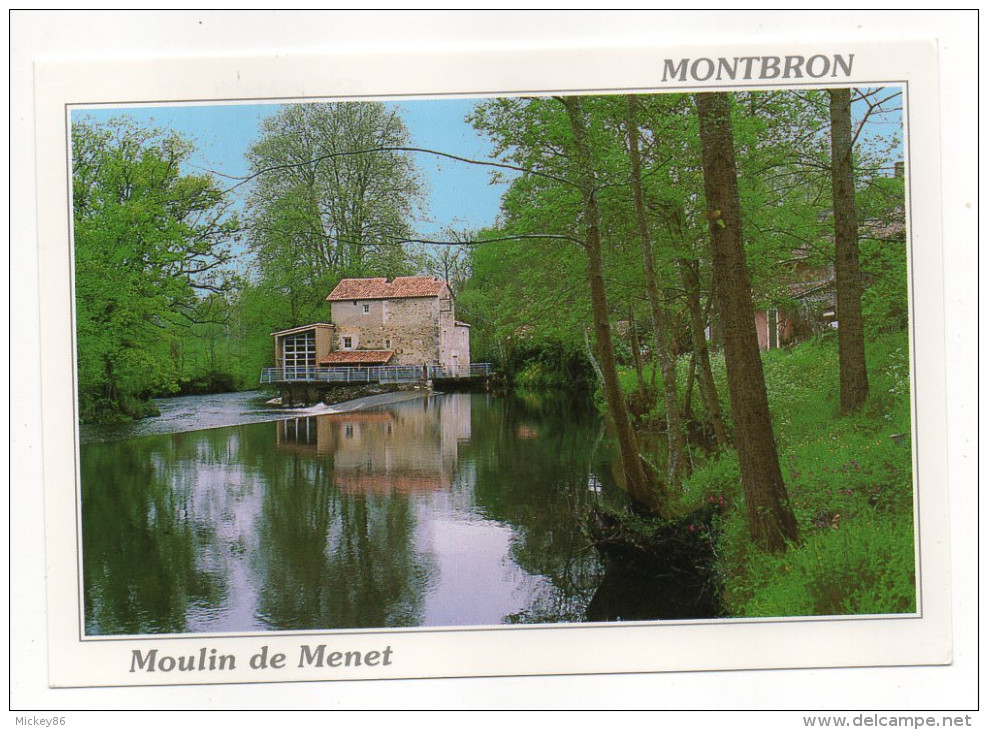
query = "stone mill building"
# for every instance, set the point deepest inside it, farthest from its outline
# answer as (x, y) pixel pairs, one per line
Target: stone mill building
(373, 322)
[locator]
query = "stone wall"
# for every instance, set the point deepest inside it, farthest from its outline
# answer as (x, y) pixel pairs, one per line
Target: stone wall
(352, 321)
(461, 347)
(454, 340)
(454, 345)
(407, 326)
(420, 330)
(350, 314)
(412, 327)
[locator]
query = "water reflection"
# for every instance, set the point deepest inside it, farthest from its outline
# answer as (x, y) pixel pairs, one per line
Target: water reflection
(331, 558)
(406, 450)
(452, 510)
(147, 536)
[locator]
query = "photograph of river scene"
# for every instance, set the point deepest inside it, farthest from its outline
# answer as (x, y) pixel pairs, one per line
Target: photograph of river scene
(458, 509)
(494, 361)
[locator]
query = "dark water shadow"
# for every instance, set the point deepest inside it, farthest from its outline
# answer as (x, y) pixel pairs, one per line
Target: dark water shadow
(633, 595)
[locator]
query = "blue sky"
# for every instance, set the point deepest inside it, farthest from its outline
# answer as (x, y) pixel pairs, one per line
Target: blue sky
(457, 194)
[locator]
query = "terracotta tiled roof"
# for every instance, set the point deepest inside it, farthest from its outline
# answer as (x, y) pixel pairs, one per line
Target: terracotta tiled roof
(358, 417)
(403, 287)
(356, 482)
(357, 357)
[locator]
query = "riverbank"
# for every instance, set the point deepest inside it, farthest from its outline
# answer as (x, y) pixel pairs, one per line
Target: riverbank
(849, 481)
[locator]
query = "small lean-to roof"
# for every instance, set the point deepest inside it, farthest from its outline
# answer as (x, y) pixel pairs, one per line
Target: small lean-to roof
(403, 287)
(302, 328)
(357, 357)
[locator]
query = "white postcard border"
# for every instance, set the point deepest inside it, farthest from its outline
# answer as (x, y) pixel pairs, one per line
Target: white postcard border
(569, 649)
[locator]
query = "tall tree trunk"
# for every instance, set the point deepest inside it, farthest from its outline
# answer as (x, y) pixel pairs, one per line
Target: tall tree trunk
(660, 319)
(688, 395)
(770, 518)
(638, 480)
(698, 325)
(847, 270)
(636, 353)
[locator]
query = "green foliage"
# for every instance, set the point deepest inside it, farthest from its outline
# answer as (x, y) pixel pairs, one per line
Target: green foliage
(864, 568)
(849, 481)
(720, 475)
(885, 300)
(645, 404)
(330, 200)
(515, 302)
(538, 288)
(782, 141)
(649, 411)
(549, 364)
(151, 246)
(850, 486)
(209, 382)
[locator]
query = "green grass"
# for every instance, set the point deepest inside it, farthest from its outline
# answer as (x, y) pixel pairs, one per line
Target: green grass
(849, 481)
(863, 566)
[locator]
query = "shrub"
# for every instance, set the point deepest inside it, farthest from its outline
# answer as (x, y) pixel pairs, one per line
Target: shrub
(720, 475)
(549, 364)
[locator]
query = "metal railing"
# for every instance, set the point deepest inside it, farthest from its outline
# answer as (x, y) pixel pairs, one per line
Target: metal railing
(480, 369)
(378, 374)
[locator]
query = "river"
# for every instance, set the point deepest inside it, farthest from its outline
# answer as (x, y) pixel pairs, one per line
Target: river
(450, 510)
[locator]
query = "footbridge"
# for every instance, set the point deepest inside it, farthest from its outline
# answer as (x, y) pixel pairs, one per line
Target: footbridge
(308, 384)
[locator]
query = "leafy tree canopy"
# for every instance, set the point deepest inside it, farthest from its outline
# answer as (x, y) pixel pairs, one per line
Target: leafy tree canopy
(151, 248)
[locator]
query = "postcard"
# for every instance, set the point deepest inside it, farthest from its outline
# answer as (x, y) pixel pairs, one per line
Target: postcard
(509, 364)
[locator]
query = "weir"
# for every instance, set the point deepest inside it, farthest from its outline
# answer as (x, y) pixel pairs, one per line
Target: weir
(309, 384)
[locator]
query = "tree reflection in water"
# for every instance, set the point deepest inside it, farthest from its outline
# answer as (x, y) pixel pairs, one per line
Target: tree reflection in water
(143, 541)
(544, 474)
(452, 510)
